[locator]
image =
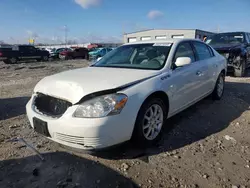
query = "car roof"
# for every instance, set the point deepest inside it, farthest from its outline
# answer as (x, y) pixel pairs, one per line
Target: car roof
(163, 41)
(232, 32)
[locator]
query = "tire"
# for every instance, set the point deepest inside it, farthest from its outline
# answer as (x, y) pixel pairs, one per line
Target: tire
(141, 134)
(242, 70)
(219, 87)
(45, 58)
(12, 60)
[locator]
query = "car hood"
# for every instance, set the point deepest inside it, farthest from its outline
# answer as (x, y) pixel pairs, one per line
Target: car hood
(73, 85)
(226, 47)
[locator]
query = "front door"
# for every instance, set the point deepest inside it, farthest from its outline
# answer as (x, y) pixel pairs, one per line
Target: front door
(184, 80)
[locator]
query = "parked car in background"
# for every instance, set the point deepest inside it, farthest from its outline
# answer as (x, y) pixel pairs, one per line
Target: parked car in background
(56, 52)
(99, 52)
(235, 47)
(22, 52)
(50, 50)
(75, 53)
(128, 94)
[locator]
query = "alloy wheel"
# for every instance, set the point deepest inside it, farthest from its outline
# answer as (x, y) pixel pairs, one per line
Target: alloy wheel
(220, 86)
(152, 122)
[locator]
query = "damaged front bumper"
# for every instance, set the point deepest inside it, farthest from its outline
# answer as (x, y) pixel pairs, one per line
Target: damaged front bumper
(80, 133)
(233, 62)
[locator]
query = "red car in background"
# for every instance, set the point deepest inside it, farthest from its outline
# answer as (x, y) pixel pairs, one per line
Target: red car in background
(74, 54)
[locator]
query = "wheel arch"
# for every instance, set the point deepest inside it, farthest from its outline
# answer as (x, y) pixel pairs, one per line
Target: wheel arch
(157, 94)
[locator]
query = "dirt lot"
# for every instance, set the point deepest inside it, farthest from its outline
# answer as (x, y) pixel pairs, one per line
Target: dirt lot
(208, 145)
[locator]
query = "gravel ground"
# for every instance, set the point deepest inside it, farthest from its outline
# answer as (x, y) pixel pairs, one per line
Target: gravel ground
(207, 145)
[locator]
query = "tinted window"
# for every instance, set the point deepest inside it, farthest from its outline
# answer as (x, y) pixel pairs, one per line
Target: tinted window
(226, 38)
(248, 37)
(26, 48)
(184, 50)
(60, 49)
(211, 51)
(202, 51)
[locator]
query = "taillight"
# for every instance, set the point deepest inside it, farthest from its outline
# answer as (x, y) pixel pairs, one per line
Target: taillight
(1, 54)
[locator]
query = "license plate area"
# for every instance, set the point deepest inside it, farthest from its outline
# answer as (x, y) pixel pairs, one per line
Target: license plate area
(41, 127)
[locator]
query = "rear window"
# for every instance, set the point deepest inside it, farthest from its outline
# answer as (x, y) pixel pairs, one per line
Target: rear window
(202, 50)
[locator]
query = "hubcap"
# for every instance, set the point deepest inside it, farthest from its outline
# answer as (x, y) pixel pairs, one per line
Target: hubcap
(220, 86)
(152, 122)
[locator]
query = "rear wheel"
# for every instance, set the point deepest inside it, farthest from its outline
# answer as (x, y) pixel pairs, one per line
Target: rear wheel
(45, 58)
(149, 122)
(241, 71)
(219, 87)
(12, 60)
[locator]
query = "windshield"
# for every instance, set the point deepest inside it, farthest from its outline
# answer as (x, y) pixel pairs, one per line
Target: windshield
(226, 38)
(137, 56)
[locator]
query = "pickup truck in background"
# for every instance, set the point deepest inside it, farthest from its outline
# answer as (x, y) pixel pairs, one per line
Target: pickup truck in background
(13, 54)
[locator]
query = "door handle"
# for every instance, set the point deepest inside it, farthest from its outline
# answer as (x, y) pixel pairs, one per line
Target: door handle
(215, 65)
(198, 73)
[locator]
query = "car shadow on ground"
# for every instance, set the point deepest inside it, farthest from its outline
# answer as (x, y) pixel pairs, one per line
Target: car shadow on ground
(204, 119)
(12, 107)
(60, 170)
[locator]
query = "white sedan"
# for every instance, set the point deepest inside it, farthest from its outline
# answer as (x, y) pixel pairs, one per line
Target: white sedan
(128, 94)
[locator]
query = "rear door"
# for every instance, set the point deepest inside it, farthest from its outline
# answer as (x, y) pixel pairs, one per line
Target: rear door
(205, 67)
(77, 53)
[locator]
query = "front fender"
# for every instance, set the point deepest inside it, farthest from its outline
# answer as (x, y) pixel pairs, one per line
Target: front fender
(140, 92)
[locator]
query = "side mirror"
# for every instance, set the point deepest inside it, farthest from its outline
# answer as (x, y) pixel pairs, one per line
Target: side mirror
(182, 61)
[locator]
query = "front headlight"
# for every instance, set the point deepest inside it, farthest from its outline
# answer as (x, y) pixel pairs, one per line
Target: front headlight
(101, 106)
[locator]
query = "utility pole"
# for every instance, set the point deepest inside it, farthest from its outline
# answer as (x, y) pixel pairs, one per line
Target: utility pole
(66, 34)
(218, 29)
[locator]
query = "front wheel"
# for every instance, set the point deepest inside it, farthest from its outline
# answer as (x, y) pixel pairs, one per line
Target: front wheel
(45, 58)
(149, 122)
(241, 71)
(219, 87)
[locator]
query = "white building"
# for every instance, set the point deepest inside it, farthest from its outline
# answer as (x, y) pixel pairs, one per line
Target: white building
(154, 34)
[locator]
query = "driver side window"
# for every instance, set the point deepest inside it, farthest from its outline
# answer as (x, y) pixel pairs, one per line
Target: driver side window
(184, 50)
